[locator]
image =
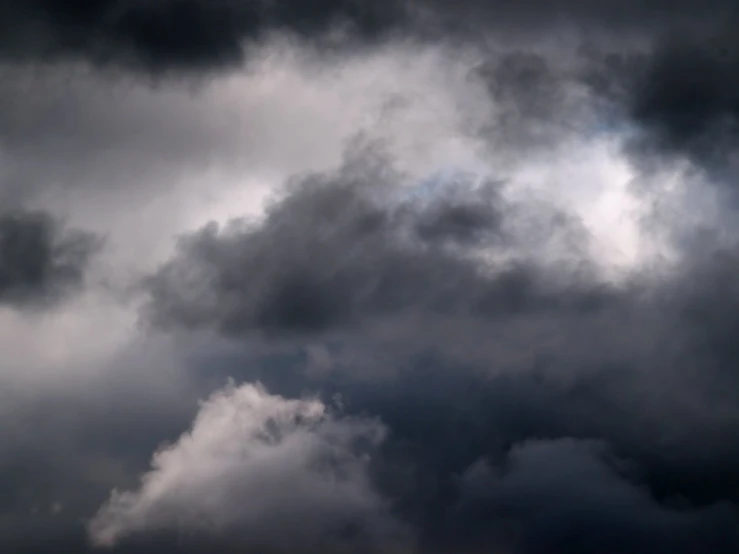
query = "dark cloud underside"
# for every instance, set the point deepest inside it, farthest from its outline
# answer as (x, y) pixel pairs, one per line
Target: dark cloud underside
(465, 356)
(40, 261)
(197, 33)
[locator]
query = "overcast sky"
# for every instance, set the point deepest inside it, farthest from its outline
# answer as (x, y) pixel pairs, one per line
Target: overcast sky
(348, 276)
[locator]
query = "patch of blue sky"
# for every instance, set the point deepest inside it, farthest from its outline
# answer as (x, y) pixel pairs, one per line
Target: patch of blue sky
(436, 183)
(610, 127)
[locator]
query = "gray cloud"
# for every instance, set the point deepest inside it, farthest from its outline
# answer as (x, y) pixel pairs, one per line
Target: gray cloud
(527, 401)
(672, 93)
(676, 89)
(572, 496)
(69, 437)
(176, 34)
(341, 249)
(172, 34)
(464, 355)
(40, 260)
(687, 100)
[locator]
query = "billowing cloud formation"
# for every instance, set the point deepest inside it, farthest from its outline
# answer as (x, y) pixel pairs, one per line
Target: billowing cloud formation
(40, 261)
(262, 471)
(500, 382)
(341, 249)
(470, 322)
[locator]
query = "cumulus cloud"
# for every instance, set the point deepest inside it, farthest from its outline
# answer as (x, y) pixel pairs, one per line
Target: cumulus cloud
(263, 470)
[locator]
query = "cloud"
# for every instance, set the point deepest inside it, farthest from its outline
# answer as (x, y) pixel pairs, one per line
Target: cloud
(195, 34)
(172, 34)
(668, 92)
(267, 471)
(136, 165)
(94, 426)
(573, 496)
(40, 261)
(686, 102)
(339, 249)
(447, 293)
(470, 320)
(664, 69)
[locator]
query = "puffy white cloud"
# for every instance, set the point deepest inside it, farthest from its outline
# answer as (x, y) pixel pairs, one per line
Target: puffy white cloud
(260, 469)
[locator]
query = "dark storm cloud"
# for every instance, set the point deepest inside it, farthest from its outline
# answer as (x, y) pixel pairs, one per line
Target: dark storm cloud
(687, 101)
(340, 249)
(571, 496)
(40, 260)
(464, 356)
(671, 84)
(177, 34)
(674, 95)
(306, 466)
(531, 404)
(172, 34)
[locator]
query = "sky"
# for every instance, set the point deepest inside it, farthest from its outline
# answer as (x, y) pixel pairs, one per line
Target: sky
(348, 276)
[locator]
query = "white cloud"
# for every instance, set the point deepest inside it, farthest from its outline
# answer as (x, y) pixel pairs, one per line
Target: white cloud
(273, 472)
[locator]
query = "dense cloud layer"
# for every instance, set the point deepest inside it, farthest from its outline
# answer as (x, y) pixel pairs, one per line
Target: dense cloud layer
(452, 360)
(671, 75)
(568, 496)
(166, 34)
(471, 323)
